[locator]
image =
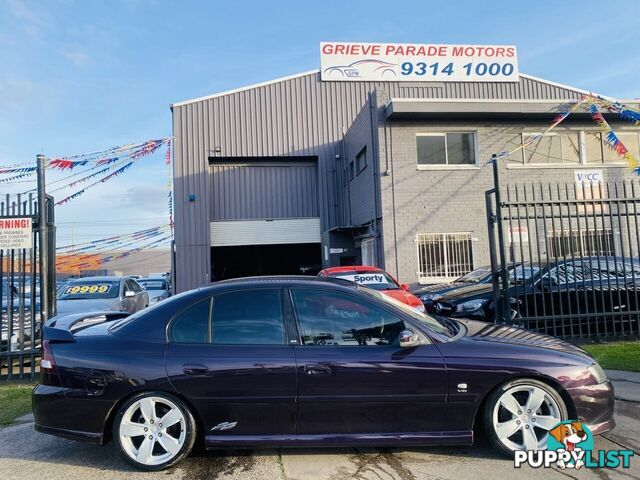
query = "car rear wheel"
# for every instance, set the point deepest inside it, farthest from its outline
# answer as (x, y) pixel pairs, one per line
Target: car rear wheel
(154, 430)
(520, 413)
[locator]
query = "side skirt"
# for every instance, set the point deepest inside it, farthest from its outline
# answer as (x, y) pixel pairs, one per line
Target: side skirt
(341, 440)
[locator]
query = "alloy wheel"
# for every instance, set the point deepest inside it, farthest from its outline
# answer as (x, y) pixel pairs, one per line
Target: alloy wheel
(152, 430)
(523, 416)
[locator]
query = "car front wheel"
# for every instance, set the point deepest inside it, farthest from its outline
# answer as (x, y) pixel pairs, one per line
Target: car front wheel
(154, 430)
(520, 413)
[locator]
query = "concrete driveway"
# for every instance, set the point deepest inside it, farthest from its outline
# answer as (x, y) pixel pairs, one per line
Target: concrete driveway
(26, 454)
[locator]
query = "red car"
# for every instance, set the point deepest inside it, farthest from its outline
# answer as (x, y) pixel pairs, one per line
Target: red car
(377, 279)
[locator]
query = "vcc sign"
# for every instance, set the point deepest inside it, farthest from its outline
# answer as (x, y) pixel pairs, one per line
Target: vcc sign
(587, 176)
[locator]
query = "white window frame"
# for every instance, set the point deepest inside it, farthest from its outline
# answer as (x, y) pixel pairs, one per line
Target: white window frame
(619, 162)
(449, 276)
(447, 166)
(555, 164)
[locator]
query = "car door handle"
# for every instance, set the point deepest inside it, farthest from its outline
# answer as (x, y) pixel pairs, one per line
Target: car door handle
(195, 369)
(317, 370)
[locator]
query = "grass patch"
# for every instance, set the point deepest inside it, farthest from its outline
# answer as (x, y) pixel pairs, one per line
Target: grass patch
(15, 400)
(616, 355)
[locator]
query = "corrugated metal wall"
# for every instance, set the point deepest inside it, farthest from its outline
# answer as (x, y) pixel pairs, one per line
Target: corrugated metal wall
(298, 116)
(255, 191)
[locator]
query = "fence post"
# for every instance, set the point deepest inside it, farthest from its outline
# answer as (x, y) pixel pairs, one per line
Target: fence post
(43, 241)
(502, 308)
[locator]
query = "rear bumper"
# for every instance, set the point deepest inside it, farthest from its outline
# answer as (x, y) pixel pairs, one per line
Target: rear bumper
(595, 404)
(57, 412)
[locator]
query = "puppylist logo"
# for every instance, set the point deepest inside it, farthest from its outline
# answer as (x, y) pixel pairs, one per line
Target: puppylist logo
(570, 445)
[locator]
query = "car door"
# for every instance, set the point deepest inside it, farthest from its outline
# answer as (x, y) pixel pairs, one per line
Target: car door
(229, 356)
(353, 377)
(142, 297)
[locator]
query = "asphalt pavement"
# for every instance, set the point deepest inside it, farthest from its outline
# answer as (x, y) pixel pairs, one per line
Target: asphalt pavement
(26, 454)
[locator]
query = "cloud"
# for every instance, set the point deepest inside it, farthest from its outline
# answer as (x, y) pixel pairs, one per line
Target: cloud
(150, 199)
(77, 56)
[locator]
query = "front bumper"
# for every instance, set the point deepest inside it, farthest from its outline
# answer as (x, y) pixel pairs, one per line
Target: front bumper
(595, 404)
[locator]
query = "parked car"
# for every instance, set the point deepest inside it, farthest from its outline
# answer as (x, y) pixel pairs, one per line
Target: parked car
(14, 309)
(428, 294)
(376, 279)
(101, 294)
(157, 288)
(307, 361)
(594, 285)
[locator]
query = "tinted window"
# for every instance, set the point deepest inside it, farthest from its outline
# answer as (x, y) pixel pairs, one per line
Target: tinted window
(249, 317)
(332, 318)
(192, 325)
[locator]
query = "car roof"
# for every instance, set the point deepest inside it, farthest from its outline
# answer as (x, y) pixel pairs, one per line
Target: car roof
(352, 268)
(281, 280)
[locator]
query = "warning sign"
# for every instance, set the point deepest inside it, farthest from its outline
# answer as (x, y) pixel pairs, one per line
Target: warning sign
(15, 233)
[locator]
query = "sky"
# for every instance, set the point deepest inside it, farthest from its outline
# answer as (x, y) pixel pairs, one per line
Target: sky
(80, 76)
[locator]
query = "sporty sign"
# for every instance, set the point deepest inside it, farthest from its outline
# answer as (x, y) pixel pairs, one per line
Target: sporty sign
(305, 361)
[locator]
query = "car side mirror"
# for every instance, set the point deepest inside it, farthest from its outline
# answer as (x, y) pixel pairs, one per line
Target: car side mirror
(409, 339)
(129, 294)
(405, 287)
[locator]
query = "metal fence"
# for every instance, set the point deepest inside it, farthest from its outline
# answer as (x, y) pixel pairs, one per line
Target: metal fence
(565, 256)
(26, 298)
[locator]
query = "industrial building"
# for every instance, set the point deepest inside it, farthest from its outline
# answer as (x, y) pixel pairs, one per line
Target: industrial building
(303, 172)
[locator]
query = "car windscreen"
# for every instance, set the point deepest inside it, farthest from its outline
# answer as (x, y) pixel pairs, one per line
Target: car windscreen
(153, 284)
(476, 276)
(89, 290)
(374, 279)
(427, 320)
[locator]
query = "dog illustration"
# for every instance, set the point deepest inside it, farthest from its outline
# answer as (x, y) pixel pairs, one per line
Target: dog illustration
(570, 435)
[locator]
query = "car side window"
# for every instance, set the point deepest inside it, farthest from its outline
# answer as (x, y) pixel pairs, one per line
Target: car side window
(135, 286)
(248, 317)
(334, 318)
(192, 325)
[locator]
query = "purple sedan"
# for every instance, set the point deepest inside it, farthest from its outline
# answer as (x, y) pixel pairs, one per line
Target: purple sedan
(303, 361)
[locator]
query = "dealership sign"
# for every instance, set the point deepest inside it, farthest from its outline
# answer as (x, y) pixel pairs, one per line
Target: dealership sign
(418, 62)
(15, 233)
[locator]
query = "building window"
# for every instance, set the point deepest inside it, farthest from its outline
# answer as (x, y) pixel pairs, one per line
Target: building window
(554, 148)
(446, 149)
(361, 160)
(598, 151)
(444, 256)
(597, 242)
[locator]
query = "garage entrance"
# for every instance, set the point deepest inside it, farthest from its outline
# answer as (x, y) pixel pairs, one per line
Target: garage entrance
(264, 217)
(248, 260)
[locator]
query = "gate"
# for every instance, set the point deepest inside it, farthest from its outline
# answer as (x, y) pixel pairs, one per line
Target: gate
(27, 283)
(564, 256)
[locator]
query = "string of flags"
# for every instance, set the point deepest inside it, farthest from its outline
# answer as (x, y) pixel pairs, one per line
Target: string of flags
(594, 104)
(138, 234)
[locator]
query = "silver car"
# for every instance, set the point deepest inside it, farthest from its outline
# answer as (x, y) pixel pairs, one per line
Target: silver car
(101, 294)
(157, 288)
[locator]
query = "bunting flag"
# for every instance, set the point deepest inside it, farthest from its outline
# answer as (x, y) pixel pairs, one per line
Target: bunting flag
(111, 244)
(92, 243)
(612, 140)
(106, 157)
(77, 262)
(19, 170)
(114, 174)
(167, 157)
(624, 112)
(568, 110)
(17, 177)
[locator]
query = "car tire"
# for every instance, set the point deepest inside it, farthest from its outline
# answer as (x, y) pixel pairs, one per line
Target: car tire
(498, 419)
(139, 420)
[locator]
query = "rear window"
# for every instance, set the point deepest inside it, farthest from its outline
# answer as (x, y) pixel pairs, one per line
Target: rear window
(248, 317)
(374, 280)
(153, 284)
